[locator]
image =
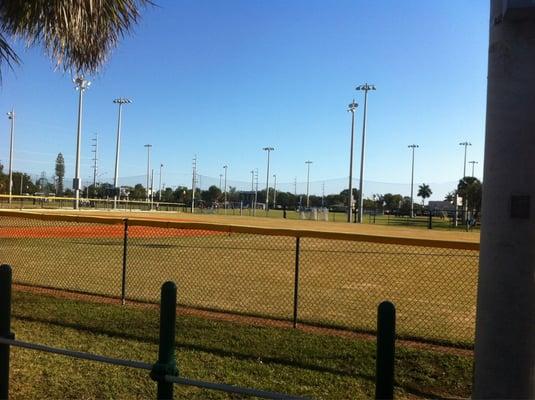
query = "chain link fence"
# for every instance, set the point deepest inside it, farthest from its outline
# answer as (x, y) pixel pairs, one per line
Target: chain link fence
(315, 278)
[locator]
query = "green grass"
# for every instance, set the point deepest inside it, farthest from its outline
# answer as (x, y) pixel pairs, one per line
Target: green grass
(340, 283)
(286, 360)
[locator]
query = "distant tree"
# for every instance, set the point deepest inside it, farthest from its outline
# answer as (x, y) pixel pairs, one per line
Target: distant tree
(450, 196)
(60, 174)
(424, 191)
(471, 190)
(213, 194)
(138, 192)
(392, 202)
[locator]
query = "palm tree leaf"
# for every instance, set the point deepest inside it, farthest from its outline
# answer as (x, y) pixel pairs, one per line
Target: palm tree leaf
(78, 34)
(7, 55)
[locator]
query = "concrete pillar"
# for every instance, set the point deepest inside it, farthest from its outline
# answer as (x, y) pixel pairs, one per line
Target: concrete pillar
(505, 328)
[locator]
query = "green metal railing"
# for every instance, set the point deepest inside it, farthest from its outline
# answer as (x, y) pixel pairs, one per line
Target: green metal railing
(165, 372)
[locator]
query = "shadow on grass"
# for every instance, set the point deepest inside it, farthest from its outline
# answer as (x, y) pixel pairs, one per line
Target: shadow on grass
(225, 353)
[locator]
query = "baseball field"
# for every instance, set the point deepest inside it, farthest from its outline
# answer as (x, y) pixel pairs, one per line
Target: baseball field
(340, 282)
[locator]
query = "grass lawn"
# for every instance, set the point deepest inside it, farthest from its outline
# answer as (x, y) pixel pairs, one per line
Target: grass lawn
(277, 359)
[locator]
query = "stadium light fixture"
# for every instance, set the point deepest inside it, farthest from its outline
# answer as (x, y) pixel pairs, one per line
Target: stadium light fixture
(352, 108)
(81, 85)
(366, 88)
(269, 150)
(413, 147)
(120, 101)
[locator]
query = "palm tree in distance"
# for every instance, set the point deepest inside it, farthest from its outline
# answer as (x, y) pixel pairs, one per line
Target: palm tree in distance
(78, 35)
(424, 191)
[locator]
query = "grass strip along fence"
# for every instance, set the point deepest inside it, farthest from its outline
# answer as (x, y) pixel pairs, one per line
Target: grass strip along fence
(165, 372)
(325, 279)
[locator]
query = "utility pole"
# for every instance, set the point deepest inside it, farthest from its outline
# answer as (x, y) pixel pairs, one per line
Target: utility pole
(11, 116)
(275, 191)
(160, 184)
(505, 318)
(120, 102)
(269, 150)
(94, 150)
(148, 146)
(352, 108)
(412, 146)
(366, 88)
(473, 163)
(465, 144)
(193, 179)
(308, 162)
(81, 85)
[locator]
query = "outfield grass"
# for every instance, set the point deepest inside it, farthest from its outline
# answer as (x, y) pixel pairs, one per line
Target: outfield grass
(340, 283)
(318, 366)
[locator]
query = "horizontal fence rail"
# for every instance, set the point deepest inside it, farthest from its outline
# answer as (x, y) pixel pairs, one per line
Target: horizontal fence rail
(326, 279)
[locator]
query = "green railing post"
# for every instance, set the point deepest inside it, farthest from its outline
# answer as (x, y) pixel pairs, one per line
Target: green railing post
(5, 328)
(166, 364)
(386, 338)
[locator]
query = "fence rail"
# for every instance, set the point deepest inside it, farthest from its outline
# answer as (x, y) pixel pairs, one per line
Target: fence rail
(165, 371)
(329, 279)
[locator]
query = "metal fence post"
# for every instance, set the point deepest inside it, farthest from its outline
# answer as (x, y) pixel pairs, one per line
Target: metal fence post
(430, 225)
(166, 364)
(296, 279)
(386, 338)
(5, 328)
(125, 253)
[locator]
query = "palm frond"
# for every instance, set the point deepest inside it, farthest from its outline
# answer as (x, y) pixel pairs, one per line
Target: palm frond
(78, 34)
(7, 55)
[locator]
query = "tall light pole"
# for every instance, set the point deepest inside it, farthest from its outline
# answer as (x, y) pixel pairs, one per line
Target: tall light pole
(148, 146)
(275, 191)
(225, 167)
(81, 85)
(11, 116)
(308, 162)
(269, 150)
(352, 108)
(120, 101)
(220, 181)
(413, 147)
(160, 184)
(252, 190)
(465, 144)
(193, 181)
(473, 163)
(366, 88)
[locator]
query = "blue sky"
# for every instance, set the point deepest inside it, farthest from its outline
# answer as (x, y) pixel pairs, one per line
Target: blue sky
(224, 79)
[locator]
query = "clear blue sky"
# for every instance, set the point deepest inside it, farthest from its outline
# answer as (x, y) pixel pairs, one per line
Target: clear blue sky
(224, 79)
